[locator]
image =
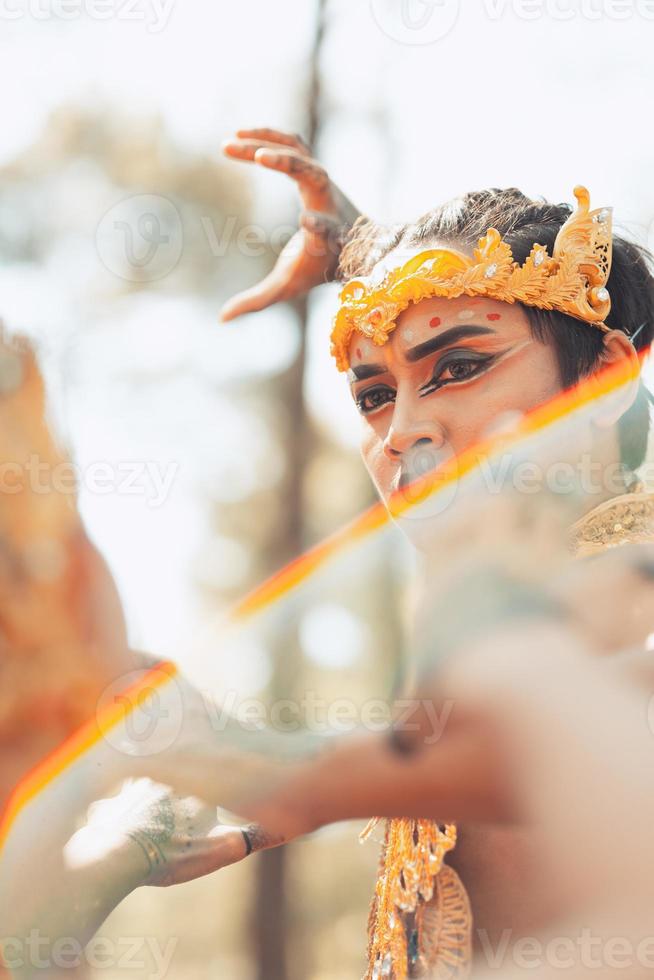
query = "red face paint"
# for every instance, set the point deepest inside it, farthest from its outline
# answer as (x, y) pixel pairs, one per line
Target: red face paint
(435, 321)
(493, 316)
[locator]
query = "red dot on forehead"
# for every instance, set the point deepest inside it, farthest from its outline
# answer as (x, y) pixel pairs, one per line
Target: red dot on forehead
(435, 321)
(493, 316)
(358, 352)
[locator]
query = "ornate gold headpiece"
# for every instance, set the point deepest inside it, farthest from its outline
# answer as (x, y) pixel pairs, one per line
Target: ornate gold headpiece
(573, 280)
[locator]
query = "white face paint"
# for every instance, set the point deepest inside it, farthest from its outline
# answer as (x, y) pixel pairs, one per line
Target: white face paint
(465, 314)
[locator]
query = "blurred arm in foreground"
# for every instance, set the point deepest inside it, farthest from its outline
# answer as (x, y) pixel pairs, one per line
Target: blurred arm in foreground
(528, 724)
(63, 653)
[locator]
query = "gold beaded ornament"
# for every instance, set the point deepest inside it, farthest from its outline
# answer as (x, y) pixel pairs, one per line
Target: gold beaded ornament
(573, 280)
(401, 926)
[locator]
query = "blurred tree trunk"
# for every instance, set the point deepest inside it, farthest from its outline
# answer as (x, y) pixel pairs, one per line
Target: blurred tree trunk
(272, 922)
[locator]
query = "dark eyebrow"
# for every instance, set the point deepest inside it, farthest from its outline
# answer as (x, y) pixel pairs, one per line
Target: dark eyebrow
(363, 371)
(444, 339)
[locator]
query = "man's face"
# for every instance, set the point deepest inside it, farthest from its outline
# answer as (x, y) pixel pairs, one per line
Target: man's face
(450, 369)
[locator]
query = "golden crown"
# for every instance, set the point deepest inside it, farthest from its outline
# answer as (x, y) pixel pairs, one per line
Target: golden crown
(573, 280)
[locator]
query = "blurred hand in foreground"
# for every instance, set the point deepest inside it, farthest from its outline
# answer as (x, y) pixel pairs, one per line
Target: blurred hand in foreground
(165, 838)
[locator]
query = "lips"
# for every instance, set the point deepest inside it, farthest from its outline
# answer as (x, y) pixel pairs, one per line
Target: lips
(422, 474)
(405, 479)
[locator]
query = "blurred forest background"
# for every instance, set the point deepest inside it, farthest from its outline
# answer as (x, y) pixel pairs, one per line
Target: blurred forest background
(109, 123)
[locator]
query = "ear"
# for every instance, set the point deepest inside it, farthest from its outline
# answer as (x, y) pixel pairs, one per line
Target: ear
(618, 349)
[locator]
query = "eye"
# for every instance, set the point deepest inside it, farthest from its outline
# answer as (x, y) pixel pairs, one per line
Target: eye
(458, 370)
(373, 398)
(457, 366)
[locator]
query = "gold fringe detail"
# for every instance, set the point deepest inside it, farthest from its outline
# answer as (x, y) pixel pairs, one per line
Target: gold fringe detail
(412, 857)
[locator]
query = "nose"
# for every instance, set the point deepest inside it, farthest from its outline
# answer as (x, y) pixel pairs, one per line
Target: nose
(400, 442)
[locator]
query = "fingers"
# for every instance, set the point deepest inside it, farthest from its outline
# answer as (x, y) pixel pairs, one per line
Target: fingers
(312, 179)
(247, 141)
(309, 258)
(294, 162)
(262, 839)
(245, 149)
(270, 290)
(275, 136)
(309, 173)
(304, 170)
